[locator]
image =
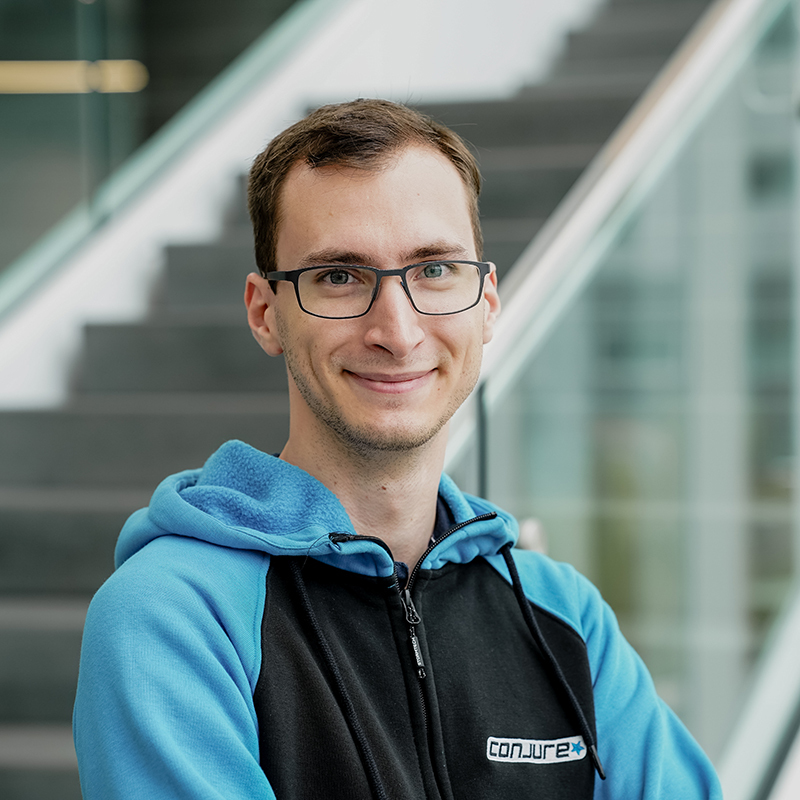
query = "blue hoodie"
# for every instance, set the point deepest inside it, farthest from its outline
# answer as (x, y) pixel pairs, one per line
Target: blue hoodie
(251, 645)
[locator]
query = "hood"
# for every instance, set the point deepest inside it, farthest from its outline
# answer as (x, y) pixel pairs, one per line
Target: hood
(248, 500)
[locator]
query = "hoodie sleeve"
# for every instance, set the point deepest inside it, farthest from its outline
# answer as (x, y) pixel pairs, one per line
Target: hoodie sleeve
(646, 751)
(642, 741)
(169, 661)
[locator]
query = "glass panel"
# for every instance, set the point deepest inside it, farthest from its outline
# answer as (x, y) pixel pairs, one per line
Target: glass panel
(40, 141)
(651, 438)
(56, 149)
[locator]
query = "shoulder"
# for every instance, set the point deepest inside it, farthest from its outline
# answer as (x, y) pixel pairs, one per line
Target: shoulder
(177, 588)
(561, 591)
(169, 662)
(641, 742)
(557, 588)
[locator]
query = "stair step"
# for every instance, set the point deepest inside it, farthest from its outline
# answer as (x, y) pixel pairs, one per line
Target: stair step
(542, 116)
(208, 273)
(526, 191)
(606, 74)
(61, 540)
(39, 784)
(505, 239)
(631, 75)
(183, 353)
(42, 614)
(611, 42)
(47, 747)
(502, 232)
(634, 4)
(40, 643)
(552, 156)
(132, 441)
(37, 762)
(237, 217)
(634, 18)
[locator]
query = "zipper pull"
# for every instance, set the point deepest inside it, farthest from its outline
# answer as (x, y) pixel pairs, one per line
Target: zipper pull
(413, 619)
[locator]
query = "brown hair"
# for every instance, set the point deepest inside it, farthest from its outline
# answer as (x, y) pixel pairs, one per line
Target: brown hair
(359, 134)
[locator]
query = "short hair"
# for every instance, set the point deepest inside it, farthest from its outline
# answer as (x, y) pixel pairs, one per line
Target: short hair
(361, 134)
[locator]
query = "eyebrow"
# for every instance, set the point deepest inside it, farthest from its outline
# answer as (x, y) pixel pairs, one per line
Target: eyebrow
(440, 249)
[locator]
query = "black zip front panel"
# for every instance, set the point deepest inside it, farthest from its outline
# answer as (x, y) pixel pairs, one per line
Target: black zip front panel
(307, 747)
(447, 685)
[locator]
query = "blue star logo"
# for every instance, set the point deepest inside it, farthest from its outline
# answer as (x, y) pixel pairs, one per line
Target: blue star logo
(577, 747)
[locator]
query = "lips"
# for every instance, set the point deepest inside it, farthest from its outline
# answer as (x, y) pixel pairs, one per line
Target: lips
(391, 383)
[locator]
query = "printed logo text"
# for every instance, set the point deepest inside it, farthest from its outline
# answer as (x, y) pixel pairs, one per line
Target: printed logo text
(535, 751)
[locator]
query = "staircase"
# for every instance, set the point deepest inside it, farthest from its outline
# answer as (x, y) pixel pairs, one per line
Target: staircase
(155, 397)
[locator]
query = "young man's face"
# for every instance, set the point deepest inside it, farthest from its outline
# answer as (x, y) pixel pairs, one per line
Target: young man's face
(389, 380)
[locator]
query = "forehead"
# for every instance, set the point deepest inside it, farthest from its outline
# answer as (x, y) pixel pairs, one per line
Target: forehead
(415, 198)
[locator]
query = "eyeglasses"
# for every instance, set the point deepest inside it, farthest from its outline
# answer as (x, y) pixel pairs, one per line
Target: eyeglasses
(344, 291)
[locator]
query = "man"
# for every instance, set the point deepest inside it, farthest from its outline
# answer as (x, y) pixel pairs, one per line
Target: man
(340, 621)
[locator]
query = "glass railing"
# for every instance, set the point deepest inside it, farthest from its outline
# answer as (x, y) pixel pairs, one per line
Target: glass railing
(762, 757)
(84, 83)
(639, 412)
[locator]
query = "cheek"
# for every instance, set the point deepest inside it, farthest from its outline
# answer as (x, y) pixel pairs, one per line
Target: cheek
(463, 345)
(312, 345)
(468, 336)
(283, 330)
(474, 350)
(291, 335)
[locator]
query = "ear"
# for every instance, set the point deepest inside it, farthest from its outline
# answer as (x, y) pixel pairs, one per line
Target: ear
(260, 302)
(491, 305)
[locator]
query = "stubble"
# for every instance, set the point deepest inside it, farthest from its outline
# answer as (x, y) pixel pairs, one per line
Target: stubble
(363, 439)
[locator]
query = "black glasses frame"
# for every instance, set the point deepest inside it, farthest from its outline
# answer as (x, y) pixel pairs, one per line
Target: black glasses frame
(293, 276)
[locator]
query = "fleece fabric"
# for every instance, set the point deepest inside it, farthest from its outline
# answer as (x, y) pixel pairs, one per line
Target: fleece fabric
(251, 645)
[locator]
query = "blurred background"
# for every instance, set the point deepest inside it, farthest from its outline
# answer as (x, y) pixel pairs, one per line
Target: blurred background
(638, 410)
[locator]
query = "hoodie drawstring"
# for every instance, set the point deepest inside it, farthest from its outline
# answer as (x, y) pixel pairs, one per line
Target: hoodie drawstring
(362, 743)
(558, 674)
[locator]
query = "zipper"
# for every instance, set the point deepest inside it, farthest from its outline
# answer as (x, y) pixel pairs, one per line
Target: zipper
(412, 617)
(454, 529)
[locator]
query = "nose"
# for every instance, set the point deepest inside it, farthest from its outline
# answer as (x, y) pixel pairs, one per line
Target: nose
(392, 322)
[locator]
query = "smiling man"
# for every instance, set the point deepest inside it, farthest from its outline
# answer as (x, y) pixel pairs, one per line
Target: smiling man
(340, 621)
(372, 389)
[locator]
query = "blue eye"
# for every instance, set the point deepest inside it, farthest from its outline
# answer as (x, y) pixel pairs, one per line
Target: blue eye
(435, 270)
(333, 276)
(338, 277)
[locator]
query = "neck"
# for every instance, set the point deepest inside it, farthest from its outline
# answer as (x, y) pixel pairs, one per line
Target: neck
(390, 495)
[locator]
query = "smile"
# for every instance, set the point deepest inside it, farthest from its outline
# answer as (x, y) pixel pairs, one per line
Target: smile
(390, 383)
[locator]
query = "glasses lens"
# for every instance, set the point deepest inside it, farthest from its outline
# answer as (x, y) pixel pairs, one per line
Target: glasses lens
(444, 287)
(336, 292)
(436, 287)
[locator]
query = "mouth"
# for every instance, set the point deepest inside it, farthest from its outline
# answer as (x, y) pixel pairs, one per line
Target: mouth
(391, 383)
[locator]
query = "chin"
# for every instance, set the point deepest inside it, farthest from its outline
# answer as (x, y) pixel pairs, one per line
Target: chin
(370, 440)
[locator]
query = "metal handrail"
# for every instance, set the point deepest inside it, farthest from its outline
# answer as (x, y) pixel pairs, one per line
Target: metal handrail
(561, 257)
(148, 163)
